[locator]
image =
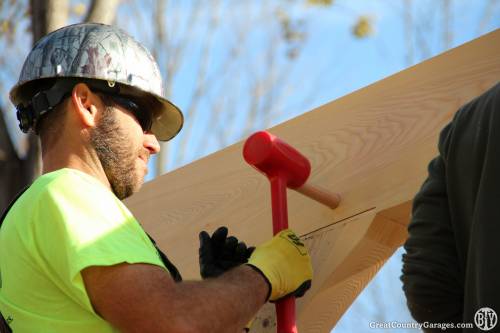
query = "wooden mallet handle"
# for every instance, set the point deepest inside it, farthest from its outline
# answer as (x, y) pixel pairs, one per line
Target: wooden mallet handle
(323, 196)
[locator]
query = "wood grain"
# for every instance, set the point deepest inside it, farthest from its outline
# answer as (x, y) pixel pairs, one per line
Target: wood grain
(371, 146)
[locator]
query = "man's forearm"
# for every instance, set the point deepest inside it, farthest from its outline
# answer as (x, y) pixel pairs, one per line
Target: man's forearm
(224, 304)
(143, 298)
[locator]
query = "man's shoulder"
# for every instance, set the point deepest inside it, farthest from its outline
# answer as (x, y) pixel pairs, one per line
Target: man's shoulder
(43, 187)
(53, 197)
(71, 199)
(66, 190)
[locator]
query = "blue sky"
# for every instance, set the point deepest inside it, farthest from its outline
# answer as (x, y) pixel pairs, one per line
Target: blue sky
(331, 63)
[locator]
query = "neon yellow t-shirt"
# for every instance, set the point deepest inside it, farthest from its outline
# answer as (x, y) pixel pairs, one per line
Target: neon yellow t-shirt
(66, 221)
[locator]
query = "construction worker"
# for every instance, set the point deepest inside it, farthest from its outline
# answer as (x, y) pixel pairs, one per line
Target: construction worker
(72, 256)
(451, 274)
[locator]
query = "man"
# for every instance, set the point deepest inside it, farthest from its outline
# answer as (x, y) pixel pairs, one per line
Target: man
(450, 269)
(72, 257)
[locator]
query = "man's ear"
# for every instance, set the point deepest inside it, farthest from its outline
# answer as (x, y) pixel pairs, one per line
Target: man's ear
(85, 104)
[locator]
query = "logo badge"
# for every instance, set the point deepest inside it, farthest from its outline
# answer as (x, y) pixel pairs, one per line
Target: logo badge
(292, 238)
(485, 319)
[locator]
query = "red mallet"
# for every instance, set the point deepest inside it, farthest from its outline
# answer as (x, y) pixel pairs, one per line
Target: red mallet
(285, 167)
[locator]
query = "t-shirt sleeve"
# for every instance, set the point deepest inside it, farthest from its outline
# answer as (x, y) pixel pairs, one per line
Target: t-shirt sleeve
(82, 227)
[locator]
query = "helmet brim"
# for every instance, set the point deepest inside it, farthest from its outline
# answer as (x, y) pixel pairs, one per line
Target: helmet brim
(168, 121)
(167, 117)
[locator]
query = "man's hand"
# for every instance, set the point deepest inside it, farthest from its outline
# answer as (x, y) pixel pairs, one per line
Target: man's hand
(220, 253)
(285, 264)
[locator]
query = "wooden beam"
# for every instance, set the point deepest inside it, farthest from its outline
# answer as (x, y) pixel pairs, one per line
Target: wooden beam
(372, 146)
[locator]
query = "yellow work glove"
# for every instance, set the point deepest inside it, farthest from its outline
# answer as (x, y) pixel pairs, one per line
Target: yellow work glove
(285, 264)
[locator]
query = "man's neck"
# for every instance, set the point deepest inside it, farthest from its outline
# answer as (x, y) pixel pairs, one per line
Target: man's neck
(55, 159)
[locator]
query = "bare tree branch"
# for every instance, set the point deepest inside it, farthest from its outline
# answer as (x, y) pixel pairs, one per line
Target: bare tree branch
(447, 24)
(201, 81)
(408, 27)
(38, 19)
(229, 74)
(173, 57)
(102, 11)
(159, 20)
(160, 39)
(57, 14)
(15, 173)
(421, 33)
(489, 10)
(47, 16)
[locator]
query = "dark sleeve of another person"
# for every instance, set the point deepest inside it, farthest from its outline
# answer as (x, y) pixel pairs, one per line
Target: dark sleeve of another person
(430, 268)
(451, 268)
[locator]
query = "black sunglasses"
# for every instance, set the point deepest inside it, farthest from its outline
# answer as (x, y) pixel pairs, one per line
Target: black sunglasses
(143, 116)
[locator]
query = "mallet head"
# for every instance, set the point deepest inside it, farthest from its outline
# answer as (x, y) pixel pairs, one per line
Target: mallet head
(275, 158)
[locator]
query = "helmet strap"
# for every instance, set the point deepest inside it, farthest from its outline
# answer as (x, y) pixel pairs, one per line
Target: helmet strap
(41, 103)
(46, 100)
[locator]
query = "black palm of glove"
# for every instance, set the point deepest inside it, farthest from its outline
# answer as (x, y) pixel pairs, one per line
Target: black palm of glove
(220, 253)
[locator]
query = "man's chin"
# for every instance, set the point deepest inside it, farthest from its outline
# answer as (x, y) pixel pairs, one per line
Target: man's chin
(139, 185)
(142, 165)
(139, 180)
(123, 192)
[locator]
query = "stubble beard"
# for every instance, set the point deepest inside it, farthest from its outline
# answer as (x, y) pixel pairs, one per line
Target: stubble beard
(117, 159)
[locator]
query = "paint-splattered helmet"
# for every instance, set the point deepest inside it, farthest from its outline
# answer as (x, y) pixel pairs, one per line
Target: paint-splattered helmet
(104, 57)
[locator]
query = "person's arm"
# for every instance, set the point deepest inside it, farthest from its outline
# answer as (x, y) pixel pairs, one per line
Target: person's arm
(143, 298)
(431, 277)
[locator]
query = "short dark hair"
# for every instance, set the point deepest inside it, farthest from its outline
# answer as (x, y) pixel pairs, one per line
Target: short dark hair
(50, 121)
(49, 124)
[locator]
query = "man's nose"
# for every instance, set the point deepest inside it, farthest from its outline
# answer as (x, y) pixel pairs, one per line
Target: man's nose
(151, 143)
